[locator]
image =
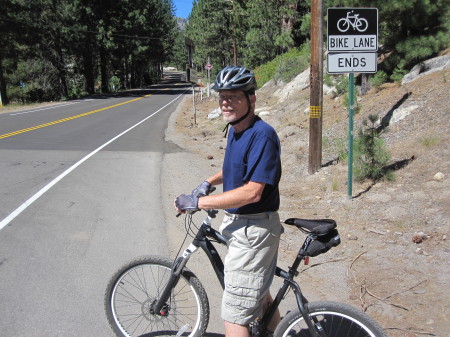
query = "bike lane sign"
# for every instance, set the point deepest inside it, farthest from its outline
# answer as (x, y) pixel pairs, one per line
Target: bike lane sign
(352, 29)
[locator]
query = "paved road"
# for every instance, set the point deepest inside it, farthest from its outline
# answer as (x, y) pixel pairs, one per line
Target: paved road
(79, 196)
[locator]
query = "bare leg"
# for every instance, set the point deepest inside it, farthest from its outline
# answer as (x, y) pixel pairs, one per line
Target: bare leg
(276, 317)
(236, 330)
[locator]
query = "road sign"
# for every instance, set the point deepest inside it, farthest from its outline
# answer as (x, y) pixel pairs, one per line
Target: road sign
(191, 75)
(208, 66)
(338, 63)
(352, 29)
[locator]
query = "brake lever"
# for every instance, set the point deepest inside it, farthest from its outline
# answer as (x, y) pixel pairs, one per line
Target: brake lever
(211, 190)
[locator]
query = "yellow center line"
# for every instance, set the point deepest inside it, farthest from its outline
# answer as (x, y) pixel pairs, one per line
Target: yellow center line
(6, 135)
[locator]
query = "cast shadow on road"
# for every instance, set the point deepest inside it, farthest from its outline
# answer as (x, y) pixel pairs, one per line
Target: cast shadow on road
(170, 85)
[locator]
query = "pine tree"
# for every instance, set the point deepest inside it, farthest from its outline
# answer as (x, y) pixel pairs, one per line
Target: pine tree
(371, 154)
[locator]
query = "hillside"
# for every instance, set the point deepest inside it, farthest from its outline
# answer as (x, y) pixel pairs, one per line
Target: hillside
(394, 258)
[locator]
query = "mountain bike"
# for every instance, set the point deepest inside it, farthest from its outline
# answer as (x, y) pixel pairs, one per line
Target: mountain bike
(155, 296)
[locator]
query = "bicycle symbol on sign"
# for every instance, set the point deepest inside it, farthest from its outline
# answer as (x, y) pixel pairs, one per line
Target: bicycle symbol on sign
(359, 24)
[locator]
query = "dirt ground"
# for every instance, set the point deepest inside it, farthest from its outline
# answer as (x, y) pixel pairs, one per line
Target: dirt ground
(394, 259)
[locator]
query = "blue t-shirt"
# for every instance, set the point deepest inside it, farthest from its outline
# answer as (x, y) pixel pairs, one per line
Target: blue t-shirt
(253, 155)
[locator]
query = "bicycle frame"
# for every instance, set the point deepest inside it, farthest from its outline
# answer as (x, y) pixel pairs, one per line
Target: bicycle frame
(203, 240)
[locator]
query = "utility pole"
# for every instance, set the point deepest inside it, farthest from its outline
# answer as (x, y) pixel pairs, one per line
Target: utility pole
(234, 31)
(316, 88)
(235, 51)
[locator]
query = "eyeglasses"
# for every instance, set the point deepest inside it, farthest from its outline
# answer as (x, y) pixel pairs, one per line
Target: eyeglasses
(231, 98)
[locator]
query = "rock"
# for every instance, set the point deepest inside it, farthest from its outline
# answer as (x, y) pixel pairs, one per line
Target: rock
(328, 90)
(271, 83)
(300, 82)
(439, 176)
(215, 114)
(401, 113)
(264, 113)
(419, 238)
(427, 67)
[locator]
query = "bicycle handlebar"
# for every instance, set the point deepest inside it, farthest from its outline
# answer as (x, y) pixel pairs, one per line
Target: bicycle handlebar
(213, 212)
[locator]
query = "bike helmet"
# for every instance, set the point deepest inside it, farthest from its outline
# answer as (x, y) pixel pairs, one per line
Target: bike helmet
(236, 78)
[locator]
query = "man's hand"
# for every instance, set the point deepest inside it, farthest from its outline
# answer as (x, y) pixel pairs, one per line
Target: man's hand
(202, 189)
(187, 203)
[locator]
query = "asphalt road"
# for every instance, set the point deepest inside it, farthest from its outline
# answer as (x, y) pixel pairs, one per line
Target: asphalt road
(80, 195)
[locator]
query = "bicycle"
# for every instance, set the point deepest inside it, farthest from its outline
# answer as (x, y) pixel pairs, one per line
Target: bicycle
(155, 296)
(359, 24)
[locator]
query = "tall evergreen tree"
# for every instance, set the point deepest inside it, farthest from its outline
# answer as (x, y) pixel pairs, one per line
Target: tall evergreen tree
(211, 28)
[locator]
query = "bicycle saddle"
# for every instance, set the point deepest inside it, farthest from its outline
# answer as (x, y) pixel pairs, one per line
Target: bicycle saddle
(318, 227)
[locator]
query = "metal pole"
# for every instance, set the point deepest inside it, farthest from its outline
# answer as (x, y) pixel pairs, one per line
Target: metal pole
(316, 88)
(209, 74)
(193, 103)
(350, 133)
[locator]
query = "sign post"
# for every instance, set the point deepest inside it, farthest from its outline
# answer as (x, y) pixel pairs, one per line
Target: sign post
(208, 68)
(352, 46)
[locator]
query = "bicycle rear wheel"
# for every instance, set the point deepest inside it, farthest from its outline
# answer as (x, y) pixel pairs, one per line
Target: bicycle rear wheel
(336, 319)
(137, 285)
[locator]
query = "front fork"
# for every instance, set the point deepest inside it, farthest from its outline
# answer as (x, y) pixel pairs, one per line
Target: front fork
(313, 324)
(160, 306)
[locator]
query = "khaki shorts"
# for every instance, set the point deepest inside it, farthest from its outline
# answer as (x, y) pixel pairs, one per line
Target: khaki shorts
(250, 263)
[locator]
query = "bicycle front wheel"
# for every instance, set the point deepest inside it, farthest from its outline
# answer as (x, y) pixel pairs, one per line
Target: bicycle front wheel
(336, 320)
(137, 286)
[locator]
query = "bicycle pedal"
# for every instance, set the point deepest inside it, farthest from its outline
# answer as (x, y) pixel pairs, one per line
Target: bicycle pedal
(306, 260)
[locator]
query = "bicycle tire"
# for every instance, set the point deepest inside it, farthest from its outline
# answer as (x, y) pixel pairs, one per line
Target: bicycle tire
(343, 25)
(362, 25)
(136, 285)
(336, 319)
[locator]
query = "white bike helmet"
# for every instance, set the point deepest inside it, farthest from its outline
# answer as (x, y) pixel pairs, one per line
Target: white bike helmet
(236, 78)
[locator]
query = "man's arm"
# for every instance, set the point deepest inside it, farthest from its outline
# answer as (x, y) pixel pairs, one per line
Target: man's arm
(215, 179)
(249, 193)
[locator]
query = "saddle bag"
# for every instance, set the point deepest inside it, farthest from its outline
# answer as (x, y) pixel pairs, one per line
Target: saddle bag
(323, 243)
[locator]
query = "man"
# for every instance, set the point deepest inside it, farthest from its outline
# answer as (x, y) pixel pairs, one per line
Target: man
(250, 175)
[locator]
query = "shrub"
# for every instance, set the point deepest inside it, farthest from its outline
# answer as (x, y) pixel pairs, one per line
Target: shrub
(284, 67)
(371, 154)
(378, 79)
(398, 74)
(114, 84)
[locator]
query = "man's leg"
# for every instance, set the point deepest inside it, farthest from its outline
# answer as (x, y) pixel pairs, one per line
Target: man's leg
(236, 330)
(276, 317)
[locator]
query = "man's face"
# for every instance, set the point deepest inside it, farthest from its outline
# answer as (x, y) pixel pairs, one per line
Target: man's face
(234, 104)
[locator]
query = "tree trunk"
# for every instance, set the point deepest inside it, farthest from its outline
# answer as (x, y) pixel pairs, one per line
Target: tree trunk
(103, 69)
(4, 96)
(365, 84)
(88, 72)
(61, 68)
(133, 74)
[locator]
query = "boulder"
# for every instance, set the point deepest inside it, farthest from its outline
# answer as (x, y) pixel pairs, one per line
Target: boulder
(427, 67)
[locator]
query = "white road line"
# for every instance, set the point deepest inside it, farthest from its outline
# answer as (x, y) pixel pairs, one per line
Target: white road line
(27, 203)
(41, 109)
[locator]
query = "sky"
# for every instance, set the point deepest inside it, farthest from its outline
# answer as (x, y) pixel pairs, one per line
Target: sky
(183, 8)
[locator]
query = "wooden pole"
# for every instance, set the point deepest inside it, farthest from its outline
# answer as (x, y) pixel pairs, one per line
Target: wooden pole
(316, 88)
